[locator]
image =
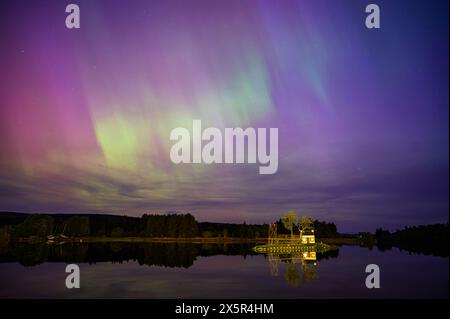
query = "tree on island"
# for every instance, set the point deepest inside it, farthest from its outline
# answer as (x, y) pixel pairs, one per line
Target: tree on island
(289, 221)
(305, 223)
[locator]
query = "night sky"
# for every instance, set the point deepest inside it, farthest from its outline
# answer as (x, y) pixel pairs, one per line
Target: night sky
(86, 114)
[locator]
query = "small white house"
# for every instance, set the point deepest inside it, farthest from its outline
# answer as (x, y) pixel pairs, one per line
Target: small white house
(308, 237)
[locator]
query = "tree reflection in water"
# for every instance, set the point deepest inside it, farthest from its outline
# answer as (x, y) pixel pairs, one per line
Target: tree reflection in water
(301, 266)
(151, 254)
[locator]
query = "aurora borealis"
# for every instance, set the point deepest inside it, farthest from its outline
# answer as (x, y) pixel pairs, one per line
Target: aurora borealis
(362, 115)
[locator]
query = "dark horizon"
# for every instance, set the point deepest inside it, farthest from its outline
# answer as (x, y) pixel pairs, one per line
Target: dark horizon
(340, 230)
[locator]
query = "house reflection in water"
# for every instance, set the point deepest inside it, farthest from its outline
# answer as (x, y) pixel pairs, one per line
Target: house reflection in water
(301, 266)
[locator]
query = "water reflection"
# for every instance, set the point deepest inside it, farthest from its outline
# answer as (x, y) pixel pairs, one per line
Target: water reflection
(151, 254)
(130, 270)
(296, 267)
(301, 267)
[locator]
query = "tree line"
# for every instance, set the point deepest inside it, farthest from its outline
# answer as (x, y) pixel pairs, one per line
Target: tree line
(430, 239)
(427, 240)
(168, 225)
(42, 225)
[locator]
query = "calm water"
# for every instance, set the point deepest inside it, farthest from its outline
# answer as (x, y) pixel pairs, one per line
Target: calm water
(216, 271)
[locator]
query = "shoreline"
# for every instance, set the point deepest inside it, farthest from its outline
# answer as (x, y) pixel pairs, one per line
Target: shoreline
(194, 240)
(201, 240)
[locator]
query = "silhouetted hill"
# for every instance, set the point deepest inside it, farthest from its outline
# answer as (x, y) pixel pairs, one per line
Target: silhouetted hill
(427, 240)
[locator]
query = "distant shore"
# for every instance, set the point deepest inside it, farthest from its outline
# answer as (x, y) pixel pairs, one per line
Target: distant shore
(342, 241)
(195, 240)
(203, 240)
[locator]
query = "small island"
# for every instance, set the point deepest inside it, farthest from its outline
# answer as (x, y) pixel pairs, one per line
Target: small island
(303, 242)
